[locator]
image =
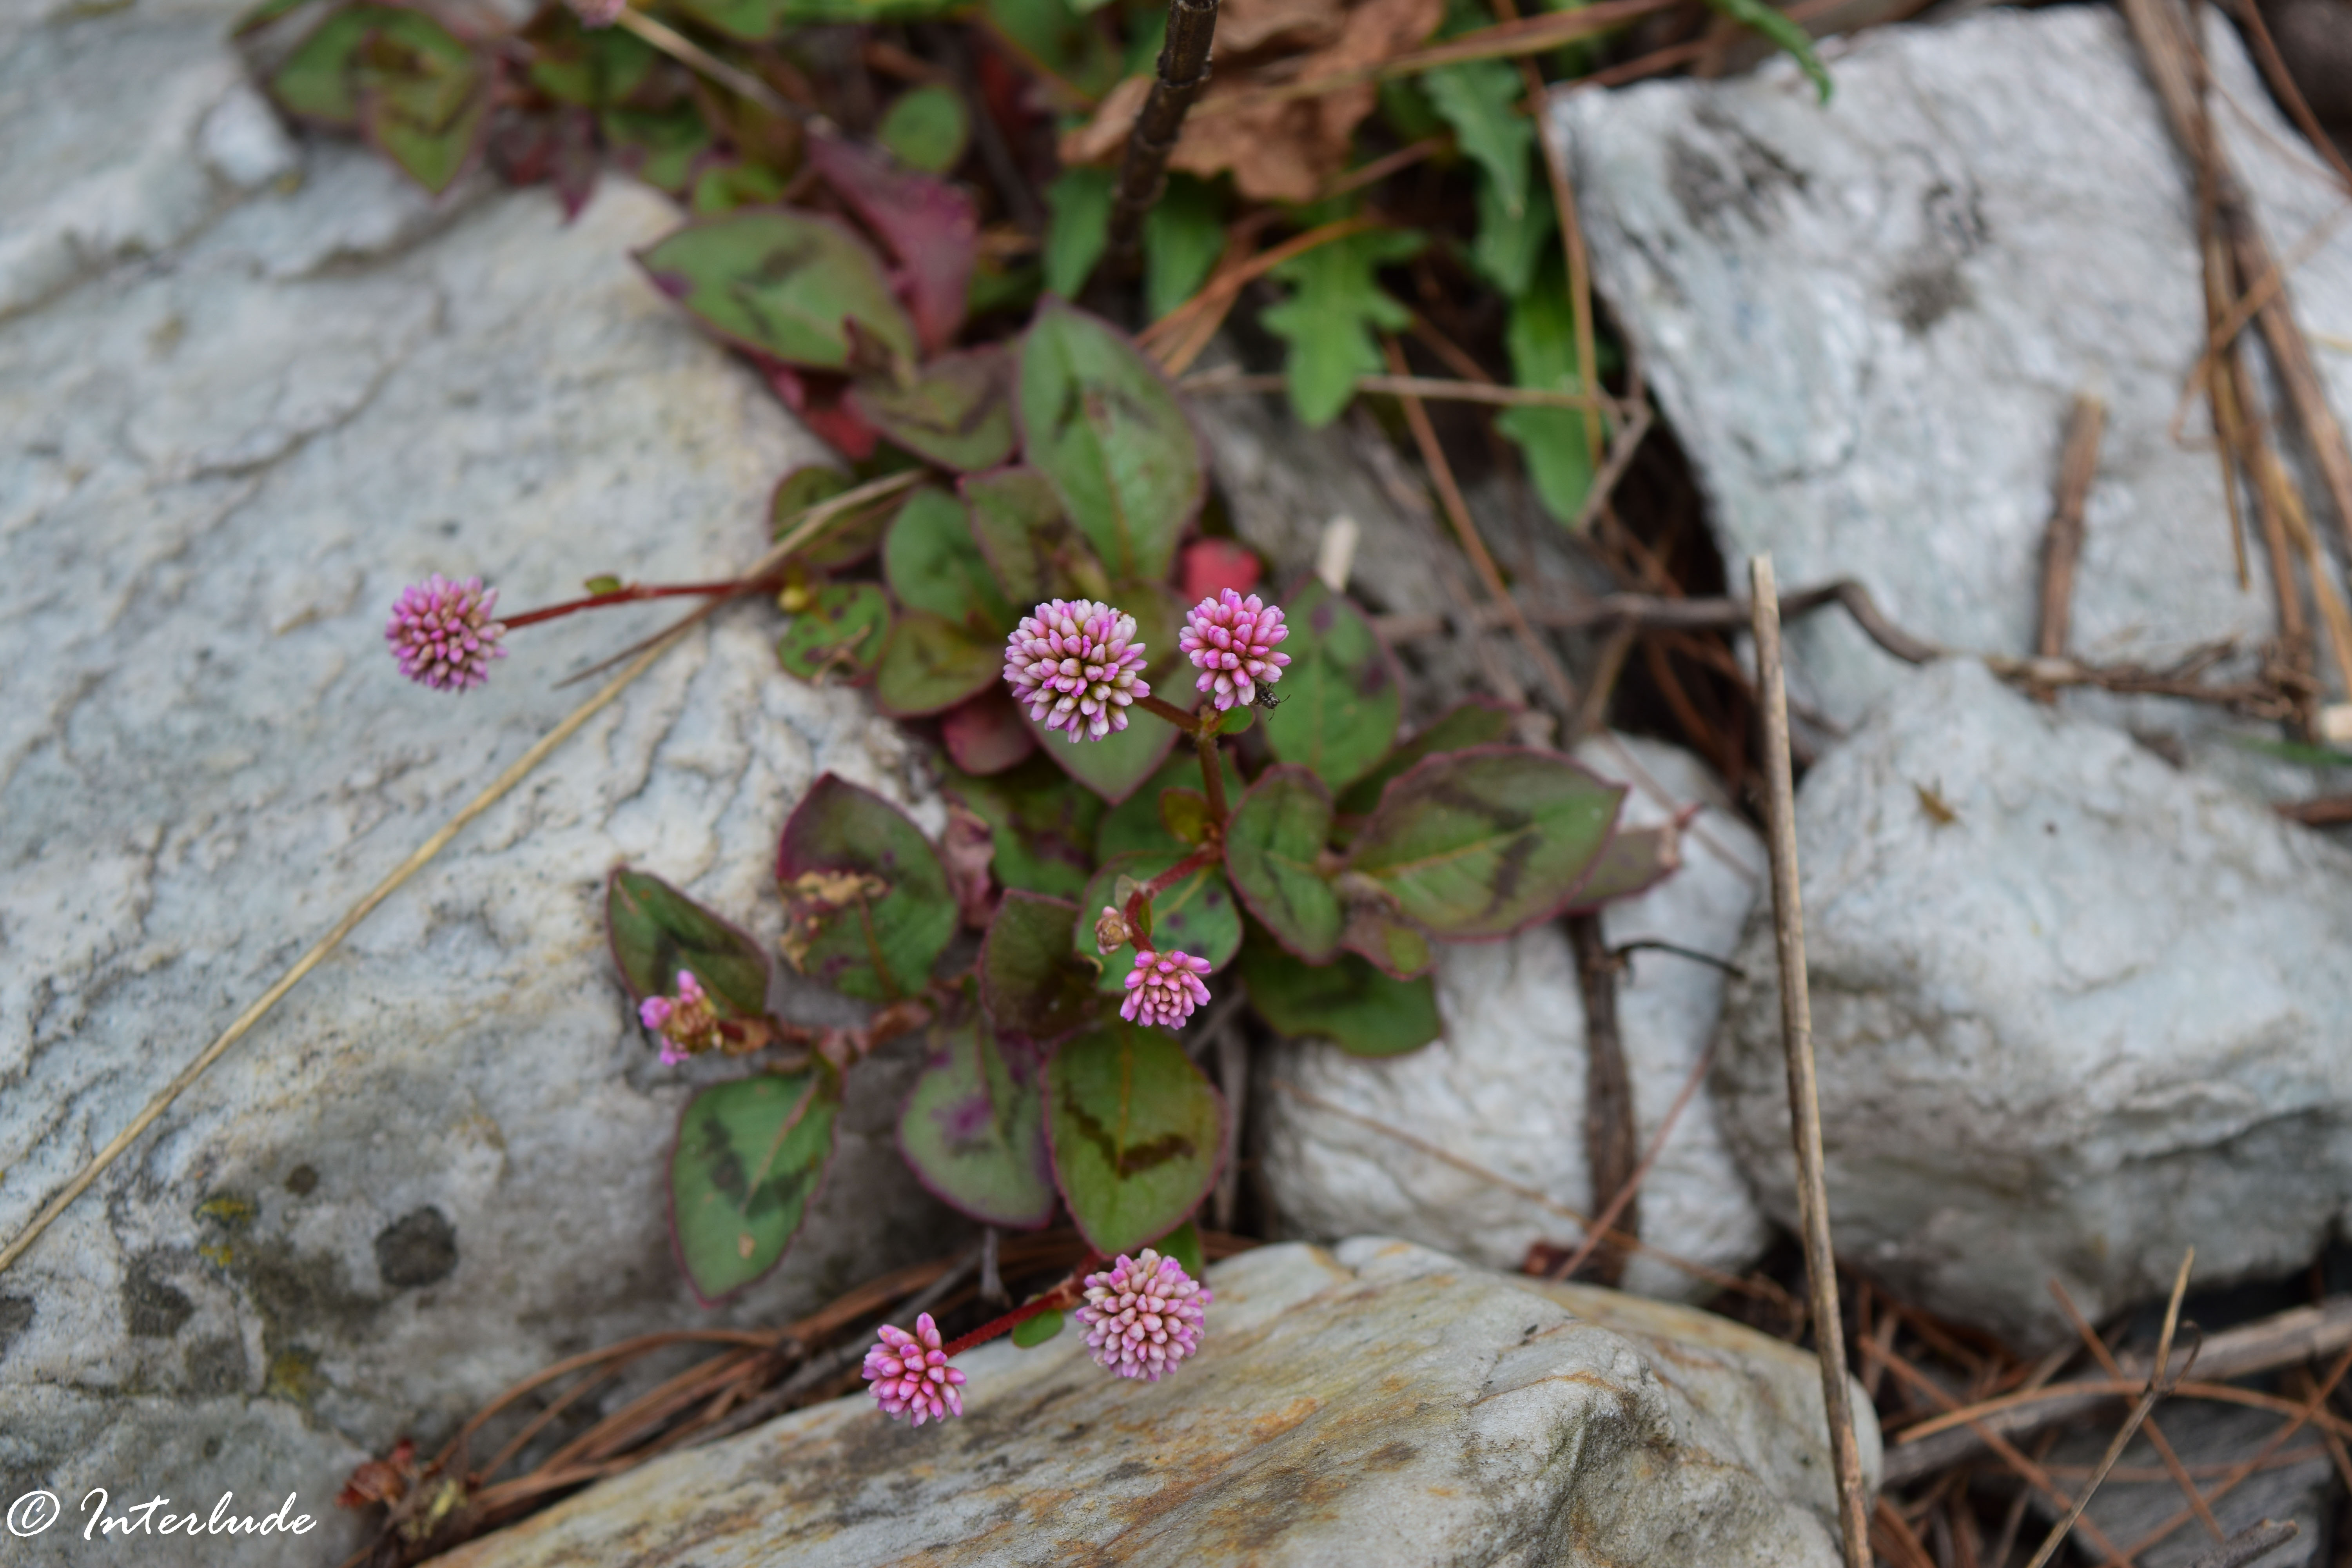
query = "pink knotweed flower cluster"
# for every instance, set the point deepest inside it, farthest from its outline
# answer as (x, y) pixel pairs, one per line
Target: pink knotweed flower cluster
(687, 1022)
(442, 634)
(1143, 1314)
(1163, 988)
(1078, 665)
(1231, 640)
(912, 1377)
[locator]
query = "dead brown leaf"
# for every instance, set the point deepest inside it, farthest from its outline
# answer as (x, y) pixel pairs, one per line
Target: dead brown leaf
(1245, 27)
(1275, 151)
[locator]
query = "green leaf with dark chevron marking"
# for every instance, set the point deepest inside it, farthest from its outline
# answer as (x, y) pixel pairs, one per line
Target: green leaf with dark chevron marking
(1272, 847)
(867, 904)
(657, 931)
(1348, 1002)
(750, 1155)
(957, 412)
(785, 283)
(1138, 1134)
(973, 1130)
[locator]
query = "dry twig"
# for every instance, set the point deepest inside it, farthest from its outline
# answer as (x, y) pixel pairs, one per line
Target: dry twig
(1183, 69)
(1797, 1038)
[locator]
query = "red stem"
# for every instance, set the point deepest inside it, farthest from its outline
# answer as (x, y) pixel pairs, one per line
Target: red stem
(1159, 708)
(1060, 1299)
(1201, 857)
(629, 596)
(1212, 776)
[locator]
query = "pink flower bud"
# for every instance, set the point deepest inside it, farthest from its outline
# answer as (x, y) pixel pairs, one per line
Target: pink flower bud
(1231, 640)
(687, 1023)
(442, 635)
(1144, 1314)
(1077, 667)
(1163, 988)
(912, 1377)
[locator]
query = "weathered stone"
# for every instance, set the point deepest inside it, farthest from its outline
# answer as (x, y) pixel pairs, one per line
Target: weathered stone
(1866, 322)
(1505, 1088)
(2075, 1012)
(438, 1165)
(1377, 1403)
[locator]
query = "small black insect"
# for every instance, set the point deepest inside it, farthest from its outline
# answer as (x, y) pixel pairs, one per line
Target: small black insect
(1268, 700)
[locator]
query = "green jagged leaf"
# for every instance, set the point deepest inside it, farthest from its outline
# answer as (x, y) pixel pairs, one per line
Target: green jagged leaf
(784, 283)
(867, 909)
(956, 412)
(655, 930)
(846, 540)
(839, 638)
(1030, 1333)
(1037, 553)
(424, 98)
(732, 185)
(1197, 916)
(1511, 247)
(1342, 698)
(1273, 846)
(1078, 230)
(1779, 29)
(317, 80)
(1113, 766)
(750, 1154)
(1101, 422)
(1136, 822)
(1041, 824)
(1335, 307)
(1635, 860)
(932, 563)
(587, 67)
(1479, 844)
(1348, 1002)
(1062, 46)
(1480, 722)
(931, 663)
(973, 1130)
(1137, 1132)
(927, 128)
(1541, 338)
(1480, 99)
(1031, 980)
(1183, 1245)
(660, 147)
(1183, 235)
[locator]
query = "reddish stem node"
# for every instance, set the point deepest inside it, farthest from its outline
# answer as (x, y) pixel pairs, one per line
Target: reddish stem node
(1060, 1299)
(633, 593)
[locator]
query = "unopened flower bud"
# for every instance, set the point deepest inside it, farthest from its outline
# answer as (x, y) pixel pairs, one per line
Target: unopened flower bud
(912, 1377)
(1144, 1314)
(687, 1022)
(1111, 931)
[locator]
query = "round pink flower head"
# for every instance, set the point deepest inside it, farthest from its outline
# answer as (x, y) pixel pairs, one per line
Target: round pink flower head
(912, 1377)
(1144, 1314)
(442, 634)
(1232, 640)
(687, 1023)
(1163, 988)
(1076, 664)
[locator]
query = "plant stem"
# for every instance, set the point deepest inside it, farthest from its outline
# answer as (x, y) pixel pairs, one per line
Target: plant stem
(1610, 1133)
(1167, 880)
(1212, 776)
(1160, 709)
(1060, 1299)
(629, 594)
(1183, 77)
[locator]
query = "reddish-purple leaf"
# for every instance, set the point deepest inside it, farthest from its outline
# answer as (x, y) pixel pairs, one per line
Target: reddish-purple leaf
(986, 736)
(931, 227)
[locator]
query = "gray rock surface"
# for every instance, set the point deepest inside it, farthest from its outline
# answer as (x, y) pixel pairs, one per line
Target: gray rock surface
(438, 1165)
(1867, 320)
(1503, 1089)
(2100, 1015)
(1376, 1403)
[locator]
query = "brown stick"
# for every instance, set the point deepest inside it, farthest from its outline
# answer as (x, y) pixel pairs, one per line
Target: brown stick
(1804, 1091)
(1610, 1133)
(2327, 811)
(2163, 1449)
(1607, 1217)
(2061, 548)
(1183, 77)
(2250, 1544)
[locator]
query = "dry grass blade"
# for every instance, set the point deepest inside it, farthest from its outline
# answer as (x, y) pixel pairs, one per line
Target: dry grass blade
(2158, 1385)
(1797, 1038)
(2062, 545)
(2172, 1465)
(2298, 1418)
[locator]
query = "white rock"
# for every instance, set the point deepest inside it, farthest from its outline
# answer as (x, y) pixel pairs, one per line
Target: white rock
(1867, 321)
(1503, 1089)
(2099, 1017)
(1379, 1403)
(438, 1165)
